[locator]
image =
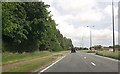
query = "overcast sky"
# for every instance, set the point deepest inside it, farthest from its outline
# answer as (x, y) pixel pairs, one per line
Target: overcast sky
(74, 15)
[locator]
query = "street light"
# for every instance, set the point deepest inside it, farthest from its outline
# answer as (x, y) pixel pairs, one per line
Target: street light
(113, 26)
(82, 42)
(90, 36)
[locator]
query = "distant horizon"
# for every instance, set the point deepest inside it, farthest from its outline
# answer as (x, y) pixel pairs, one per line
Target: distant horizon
(92, 46)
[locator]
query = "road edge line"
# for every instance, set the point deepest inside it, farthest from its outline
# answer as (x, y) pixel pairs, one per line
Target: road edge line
(107, 58)
(52, 64)
(104, 57)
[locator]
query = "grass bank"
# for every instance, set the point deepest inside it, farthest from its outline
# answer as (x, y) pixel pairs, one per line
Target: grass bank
(66, 51)
(31, 66)
(10, 58)
(88, 51)
(110, 54)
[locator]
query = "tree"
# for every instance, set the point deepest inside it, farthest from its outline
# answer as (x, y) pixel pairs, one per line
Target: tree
(28, 27)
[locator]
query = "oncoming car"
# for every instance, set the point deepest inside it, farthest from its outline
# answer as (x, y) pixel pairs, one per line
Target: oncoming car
(73, 50)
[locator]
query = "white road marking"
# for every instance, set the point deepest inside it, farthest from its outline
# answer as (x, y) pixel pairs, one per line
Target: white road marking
(52, 64)
(84, 57)
(93, 63)
(107, 58)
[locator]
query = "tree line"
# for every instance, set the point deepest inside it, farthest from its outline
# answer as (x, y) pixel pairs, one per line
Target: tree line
(28, 27)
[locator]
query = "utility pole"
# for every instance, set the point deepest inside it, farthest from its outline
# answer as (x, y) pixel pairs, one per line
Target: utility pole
(113, 26)
(90, 36)
(82, 42)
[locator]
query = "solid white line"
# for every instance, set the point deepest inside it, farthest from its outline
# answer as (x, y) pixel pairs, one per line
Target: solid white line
(107, 58)
(52, 64)
(104, 57)
(93, 63)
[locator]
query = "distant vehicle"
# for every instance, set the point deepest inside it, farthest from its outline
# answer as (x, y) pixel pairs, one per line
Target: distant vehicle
(73, 50)
(110, 49)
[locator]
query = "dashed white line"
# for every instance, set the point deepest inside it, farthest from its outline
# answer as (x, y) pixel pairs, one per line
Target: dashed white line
(52, 64)
(93, 63)
(84, 57)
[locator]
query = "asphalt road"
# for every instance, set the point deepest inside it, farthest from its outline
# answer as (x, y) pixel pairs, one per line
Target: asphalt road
(84, 62)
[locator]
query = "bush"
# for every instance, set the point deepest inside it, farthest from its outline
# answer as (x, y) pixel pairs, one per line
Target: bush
(26, 46)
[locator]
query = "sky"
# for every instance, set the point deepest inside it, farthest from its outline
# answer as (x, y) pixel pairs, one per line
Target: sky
(73, 17)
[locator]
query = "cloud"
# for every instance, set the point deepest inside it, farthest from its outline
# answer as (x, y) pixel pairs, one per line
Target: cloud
(108, 10)
(100, 37)
(76, 5)
(81, 11)
(104, 36)
(73, 16)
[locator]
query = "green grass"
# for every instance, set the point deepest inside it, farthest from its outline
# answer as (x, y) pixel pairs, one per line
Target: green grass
(31, 66)
(0, 59)
(58, 55)
(88, 51)
(110, 54)
(10, 58)
(66, 51)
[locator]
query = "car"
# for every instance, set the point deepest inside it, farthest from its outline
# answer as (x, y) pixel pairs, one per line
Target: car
(73, 50)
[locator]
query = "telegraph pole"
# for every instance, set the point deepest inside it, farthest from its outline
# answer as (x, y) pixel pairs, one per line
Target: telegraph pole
(90, 39)
(113, 26)
(82, 42)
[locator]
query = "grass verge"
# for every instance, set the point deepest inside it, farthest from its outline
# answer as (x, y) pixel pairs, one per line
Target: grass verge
(10, 58)
(88, 51)
(31, 66)
(66, 51)
(110, 54)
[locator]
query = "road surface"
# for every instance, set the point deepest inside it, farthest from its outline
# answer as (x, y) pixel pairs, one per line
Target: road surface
(84, 62)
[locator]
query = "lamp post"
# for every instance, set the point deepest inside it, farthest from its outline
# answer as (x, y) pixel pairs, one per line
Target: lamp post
(113, 26)
(82, 44)
(90, 36)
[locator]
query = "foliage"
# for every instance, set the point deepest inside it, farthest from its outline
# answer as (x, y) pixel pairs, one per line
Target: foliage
(81, 48)
(28, 26)
(97, 47)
